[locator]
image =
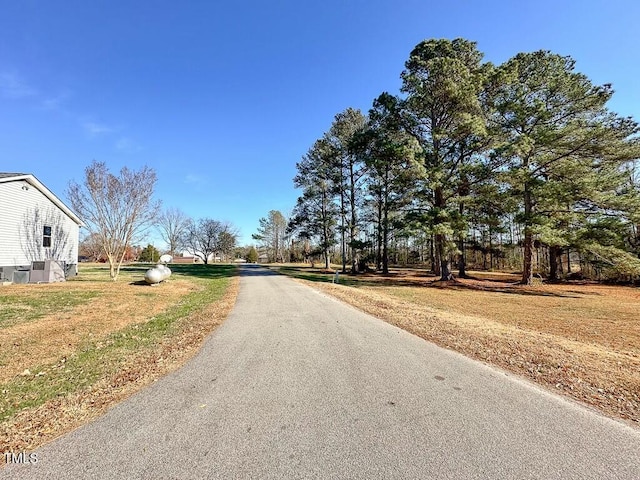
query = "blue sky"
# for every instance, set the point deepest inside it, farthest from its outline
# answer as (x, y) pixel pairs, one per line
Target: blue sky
(223, 98)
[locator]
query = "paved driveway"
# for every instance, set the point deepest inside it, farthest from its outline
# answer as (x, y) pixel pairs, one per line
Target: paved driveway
(297, 385)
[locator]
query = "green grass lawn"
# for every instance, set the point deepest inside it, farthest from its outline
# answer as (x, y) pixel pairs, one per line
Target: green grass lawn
(28, 306)
(100, 357)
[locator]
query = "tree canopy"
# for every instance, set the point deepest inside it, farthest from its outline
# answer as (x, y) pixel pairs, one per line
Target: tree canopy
(207, 238)
(272, 235)
(118, 209)
(473, 158)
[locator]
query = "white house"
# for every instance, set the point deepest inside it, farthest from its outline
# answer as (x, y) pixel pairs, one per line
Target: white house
(35, 225)
(197, 257)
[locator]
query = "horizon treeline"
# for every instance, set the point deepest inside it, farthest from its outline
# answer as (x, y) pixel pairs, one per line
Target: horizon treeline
(474, 165)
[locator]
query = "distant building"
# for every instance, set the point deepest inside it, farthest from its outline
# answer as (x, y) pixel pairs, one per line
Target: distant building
(197, 257)
(183, 259)
(35, 225)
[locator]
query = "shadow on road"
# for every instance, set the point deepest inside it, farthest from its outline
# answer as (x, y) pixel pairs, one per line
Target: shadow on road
(256, 271)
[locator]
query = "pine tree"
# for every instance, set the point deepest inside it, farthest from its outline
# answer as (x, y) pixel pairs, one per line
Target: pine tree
(348, 170)
(443, 81)
(272, 235)
(556, 131)
(390, 156)
(315, 214)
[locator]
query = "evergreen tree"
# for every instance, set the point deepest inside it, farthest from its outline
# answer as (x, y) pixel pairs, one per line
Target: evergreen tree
(272, 233)
(390, 158)
(557, 137)
(149, 254)
(252, 255)
(443, 81)
(315, 214)
(348, 172)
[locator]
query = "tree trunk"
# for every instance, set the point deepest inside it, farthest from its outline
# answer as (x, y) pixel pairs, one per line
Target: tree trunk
(354, 219)
(484, 249)
(490, 249)
(435, 256)
(527, 268)
(325, 229)
(343, 212)
(462, 260)
(553, 263)
(385, 241)
(344, 244)
(441, 239)
(445, 262)
(560, 263)
(113, 273)
(379, 236)
(475, 250)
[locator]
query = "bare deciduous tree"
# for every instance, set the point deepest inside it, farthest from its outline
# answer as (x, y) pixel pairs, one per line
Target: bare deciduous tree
(91, 247)
(207, 237)
(172, 225)
(116, 208)
(227, 240)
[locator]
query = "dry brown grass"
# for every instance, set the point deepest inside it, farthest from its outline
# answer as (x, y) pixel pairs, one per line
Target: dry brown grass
(579, 339)
(32, 427)
(60, 333)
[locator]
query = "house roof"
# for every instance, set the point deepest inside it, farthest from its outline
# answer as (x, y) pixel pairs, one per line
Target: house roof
(33, 181)
(9, 175)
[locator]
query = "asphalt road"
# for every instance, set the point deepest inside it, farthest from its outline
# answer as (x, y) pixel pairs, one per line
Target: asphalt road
(297, 385)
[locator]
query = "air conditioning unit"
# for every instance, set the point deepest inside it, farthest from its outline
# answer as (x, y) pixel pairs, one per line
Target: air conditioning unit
(20, 276)
(47, 272)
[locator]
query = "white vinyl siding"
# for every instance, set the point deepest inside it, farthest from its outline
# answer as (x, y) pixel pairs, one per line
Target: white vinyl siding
(18, 201)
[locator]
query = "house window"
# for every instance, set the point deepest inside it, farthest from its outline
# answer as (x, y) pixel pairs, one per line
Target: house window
(46, 237)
